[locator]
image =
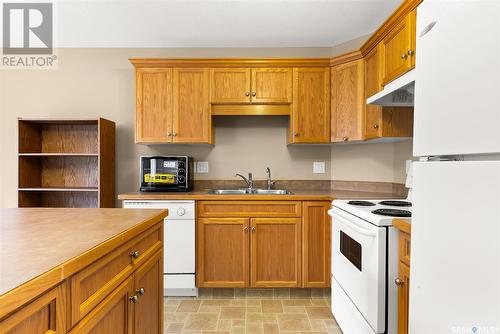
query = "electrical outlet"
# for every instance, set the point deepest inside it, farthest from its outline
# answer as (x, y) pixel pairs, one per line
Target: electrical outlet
(201, 167)
(319, 167)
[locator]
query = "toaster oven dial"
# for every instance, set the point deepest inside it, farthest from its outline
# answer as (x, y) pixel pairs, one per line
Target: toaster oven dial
(182, 171)
(181, 164)
(181, 179)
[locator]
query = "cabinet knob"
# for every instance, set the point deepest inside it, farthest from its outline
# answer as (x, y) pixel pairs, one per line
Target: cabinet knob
(169, 134)
(296, 134)
(375, 126)
(398, 282)
(404, 56)
(135, 254)
(174, 134)
(133, 299)
(345, 138)
(411, 52)
(254, 94)
(245, 228)
(247, 94)
(253, 228)
(140, 291)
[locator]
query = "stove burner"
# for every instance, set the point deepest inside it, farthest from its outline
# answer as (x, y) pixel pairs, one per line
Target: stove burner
(395, 203)
(392, 212)
(361, 203)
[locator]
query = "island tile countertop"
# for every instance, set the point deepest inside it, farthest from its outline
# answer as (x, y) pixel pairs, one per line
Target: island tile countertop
(298, 195)
(43, 246)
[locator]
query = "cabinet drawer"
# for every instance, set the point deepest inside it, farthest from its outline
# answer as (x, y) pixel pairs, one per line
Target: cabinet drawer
(404, 247)
(45, 315)
(92, 284)
(249, 209)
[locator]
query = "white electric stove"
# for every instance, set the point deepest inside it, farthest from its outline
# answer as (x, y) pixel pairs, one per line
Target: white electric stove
(365, 264)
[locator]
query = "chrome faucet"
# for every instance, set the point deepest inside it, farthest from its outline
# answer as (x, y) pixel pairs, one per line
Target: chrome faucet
(249, 180)
(270, 182)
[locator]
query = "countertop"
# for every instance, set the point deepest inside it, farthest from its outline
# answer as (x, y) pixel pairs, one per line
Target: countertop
(41, 246)
(402, 224)
(298, 195)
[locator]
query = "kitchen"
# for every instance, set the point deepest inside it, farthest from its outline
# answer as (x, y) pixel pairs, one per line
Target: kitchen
(266, 251)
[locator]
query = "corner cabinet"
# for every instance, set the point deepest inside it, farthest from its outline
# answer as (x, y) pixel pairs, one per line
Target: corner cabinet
(348, 101)
(172, 106)
(263, 244)
(310, 119)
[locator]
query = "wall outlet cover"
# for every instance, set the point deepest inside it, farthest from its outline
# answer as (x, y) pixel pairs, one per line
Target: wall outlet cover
(201, 167)
(319, 167)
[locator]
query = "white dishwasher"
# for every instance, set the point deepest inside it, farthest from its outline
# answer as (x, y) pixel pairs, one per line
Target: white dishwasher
(178, 243)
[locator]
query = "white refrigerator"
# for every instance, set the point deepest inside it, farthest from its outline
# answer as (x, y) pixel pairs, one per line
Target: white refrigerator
(455, 248)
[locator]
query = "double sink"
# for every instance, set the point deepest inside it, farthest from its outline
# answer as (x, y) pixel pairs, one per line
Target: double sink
(247, 191)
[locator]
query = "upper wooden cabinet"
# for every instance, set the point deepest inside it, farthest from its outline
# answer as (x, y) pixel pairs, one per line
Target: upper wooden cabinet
(230, 85)
(310, 120)
(271, 85)
(398, 48)
(348, 101)
(191, 121)
(172, 106)
(245, 85)
(154, 104)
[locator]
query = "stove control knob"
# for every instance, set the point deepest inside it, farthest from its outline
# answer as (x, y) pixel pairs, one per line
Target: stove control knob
(181, 211)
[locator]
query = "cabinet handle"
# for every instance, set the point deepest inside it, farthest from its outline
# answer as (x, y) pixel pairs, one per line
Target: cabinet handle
(375, 126)
(404, 56)
(247, 94)
(253, 228)
(411, 52)
(140, 291)
(398, 282)
(135, 254)
(133, 299)
(168, 134)
(254, 94)
(174, 134)
(296, 134)
(245, 228)
(345, 138)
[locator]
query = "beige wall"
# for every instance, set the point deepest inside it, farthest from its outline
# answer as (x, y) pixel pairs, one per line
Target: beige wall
(100, 83)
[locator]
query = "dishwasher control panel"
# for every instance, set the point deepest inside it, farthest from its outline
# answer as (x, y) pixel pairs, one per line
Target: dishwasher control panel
(176, 209)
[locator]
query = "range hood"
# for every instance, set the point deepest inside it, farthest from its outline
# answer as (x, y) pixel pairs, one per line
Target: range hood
(397, 93)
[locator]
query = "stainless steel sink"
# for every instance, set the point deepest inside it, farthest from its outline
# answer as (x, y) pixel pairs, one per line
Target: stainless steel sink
(248, 192)
(272, 192)
(228, 191)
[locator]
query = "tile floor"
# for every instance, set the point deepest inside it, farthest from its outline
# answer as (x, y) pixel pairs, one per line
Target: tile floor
(251, 311)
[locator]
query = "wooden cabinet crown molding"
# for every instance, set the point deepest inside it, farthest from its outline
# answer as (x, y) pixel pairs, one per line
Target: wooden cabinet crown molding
(399, 14)
(346, 58)
(229, 62)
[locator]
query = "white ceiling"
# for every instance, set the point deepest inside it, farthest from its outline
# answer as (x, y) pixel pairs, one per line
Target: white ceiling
(216, 23)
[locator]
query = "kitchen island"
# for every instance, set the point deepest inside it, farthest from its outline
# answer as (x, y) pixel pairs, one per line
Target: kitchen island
(81, 270)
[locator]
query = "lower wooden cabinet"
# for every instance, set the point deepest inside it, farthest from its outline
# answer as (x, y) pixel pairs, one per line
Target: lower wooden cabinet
(403, 279)
(45, 315)
(275, 252)
(267, 248)
(316, 244)
(222, 252)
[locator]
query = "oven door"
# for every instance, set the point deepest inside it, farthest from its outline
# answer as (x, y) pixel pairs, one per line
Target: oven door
(359, 265)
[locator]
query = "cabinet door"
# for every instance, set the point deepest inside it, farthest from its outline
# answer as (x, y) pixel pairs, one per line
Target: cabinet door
(373, 85)
(316, 245)
(45, 315)
(348, 101)
(148, 287)
(403, 298)
(311, 105)
(154, 105)
(112, 315)
(191, 116)
(398, 49)
(275, 252)
(222, 252)
(230, 85)
(272, 85)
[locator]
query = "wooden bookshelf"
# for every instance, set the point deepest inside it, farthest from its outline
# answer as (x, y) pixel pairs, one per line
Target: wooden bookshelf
(66, 163)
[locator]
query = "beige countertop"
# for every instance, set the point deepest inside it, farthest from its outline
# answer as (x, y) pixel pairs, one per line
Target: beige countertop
(48, 245)
(298, 195)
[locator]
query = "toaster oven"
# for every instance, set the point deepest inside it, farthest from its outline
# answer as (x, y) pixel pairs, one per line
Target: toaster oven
(166, 173)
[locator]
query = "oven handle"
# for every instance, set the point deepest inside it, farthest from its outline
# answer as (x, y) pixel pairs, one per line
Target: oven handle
(354, 225)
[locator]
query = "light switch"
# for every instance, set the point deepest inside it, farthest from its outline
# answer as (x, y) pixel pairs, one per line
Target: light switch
(319, 167)
(201, 167)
